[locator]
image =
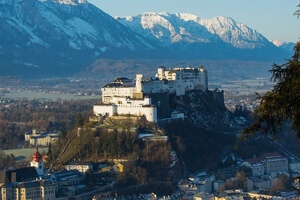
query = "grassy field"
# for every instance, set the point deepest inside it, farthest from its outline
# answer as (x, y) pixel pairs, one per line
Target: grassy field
(30, 95)
(25, 153)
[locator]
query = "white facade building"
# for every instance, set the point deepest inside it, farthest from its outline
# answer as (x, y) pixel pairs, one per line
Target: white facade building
(42, 139)
(267, 163)
(81, 166)
(177, 80)
(123, 97)
(125, 105)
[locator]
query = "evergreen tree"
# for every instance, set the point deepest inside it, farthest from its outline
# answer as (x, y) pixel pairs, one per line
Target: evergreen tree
(63, 132)
(282, 103)
(241, 180)
(49, 154)
(297, 13)
(79, 120)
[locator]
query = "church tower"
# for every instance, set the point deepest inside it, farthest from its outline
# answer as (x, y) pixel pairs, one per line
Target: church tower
(37, 162)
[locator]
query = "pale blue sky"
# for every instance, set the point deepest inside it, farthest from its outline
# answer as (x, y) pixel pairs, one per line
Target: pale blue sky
(272, 18)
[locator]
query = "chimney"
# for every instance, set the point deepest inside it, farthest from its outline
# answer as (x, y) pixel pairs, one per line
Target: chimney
(13, 177)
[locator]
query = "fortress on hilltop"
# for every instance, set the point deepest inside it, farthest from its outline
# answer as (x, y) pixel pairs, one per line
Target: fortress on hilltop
(123, 96)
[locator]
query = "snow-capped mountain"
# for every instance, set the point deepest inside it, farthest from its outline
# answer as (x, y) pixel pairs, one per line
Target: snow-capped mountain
(174, 28)
(59, 37)
(288, 46)
(63, 34)
(167, 28)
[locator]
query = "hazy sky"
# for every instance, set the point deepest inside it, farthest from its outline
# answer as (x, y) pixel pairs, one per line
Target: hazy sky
(272, 18)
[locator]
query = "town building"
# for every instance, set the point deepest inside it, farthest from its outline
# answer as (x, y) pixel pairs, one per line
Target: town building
(66, 179)
(81, 166)
(42, 139)
(123, 97)
(267, 163)
(294, 165)
(256, 166)
(42, 189)
(18, 175)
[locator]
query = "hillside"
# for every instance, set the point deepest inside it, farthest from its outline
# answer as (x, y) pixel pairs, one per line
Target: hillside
(217, 38)
(53, 38)
(207, 122)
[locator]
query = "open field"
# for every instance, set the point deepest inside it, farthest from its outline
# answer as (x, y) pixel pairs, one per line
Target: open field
(25, 153)
(31, 95)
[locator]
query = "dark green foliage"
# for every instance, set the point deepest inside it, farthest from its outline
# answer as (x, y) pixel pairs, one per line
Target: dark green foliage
(89, 178)
(238, 182)
(282, 103)
(297, 13)
(49, 154)
(63, 132)
(116, 144)
(151, 164)
(79, 120)
(240, 111)
(282, 183)
(33, 114)
(6, 161)
(133, 175)
(196, 147)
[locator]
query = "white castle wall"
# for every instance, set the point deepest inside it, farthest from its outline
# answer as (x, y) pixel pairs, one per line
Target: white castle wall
(109, 92)
(155, 86)
(132, 102)
(176, 80)
(124, 105)
(105, 109)
(118, 97)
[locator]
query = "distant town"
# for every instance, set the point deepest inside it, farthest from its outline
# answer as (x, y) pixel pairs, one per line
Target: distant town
(139, 112)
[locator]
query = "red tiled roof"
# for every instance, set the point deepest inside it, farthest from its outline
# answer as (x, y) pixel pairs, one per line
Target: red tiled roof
(254, 161)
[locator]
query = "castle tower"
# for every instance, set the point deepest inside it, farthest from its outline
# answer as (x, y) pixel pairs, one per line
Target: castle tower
(161, 73)
(37, 162)
(138, 83)
(203, 75)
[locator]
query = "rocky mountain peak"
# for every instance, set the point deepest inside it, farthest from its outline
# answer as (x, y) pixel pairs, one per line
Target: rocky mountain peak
(71, 2)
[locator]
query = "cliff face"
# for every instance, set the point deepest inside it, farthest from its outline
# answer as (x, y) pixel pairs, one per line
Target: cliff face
(204, 109)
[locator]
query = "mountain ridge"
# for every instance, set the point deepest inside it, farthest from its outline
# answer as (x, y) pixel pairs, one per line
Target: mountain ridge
(63, 37)
(226, 28)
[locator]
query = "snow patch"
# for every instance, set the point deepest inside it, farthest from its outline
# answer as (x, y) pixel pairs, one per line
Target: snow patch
(82, 27)
(278, 43)
(71, 2)
(30, 65)
(89, 44)
(187, 16)
(74, 45)
(103, 49)
(97, 53)
(25, 29)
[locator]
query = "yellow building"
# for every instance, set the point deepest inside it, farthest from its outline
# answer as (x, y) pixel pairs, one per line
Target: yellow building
(35, 190)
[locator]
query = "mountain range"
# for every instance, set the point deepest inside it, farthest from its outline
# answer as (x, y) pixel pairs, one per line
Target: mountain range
(62, 37)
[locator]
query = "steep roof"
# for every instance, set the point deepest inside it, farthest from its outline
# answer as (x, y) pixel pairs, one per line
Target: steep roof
(37, 157)
(266, 157)
(18, 175)
(254, 161)
(271, 155)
